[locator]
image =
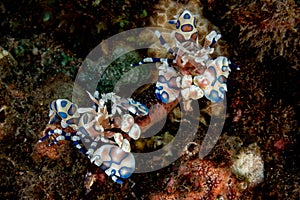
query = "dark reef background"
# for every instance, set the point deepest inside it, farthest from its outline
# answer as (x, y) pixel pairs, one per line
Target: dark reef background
(42, 44)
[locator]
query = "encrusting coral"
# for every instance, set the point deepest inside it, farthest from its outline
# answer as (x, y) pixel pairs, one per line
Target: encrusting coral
(201, 179)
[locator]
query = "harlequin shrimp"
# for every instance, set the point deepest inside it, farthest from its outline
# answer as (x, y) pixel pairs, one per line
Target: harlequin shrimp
(97, 127)
(191, 72)
(68, 112)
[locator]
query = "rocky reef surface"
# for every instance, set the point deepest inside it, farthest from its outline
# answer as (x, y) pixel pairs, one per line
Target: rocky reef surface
(42, 45)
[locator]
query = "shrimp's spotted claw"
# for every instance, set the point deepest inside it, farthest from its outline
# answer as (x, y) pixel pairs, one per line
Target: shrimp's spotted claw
(116, 163)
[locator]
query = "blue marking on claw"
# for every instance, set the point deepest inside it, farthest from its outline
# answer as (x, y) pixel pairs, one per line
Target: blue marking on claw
(71, 121)
(172, 21)
(164, 97)
(214, 96)
(222, 90)
(161, 95)
(119, 181)
(144, 109)
(85, 119)
(139, 108)
(62, 115)
(224, 68)
(72, 109)
(55, 106)
(63, 103)
(215, 75)
(171, 83)
(222, 79)
(125, 172)
(116, 163)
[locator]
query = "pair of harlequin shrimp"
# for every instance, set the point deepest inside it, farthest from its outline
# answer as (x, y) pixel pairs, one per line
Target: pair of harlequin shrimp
(191, 73)
(92, 126)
